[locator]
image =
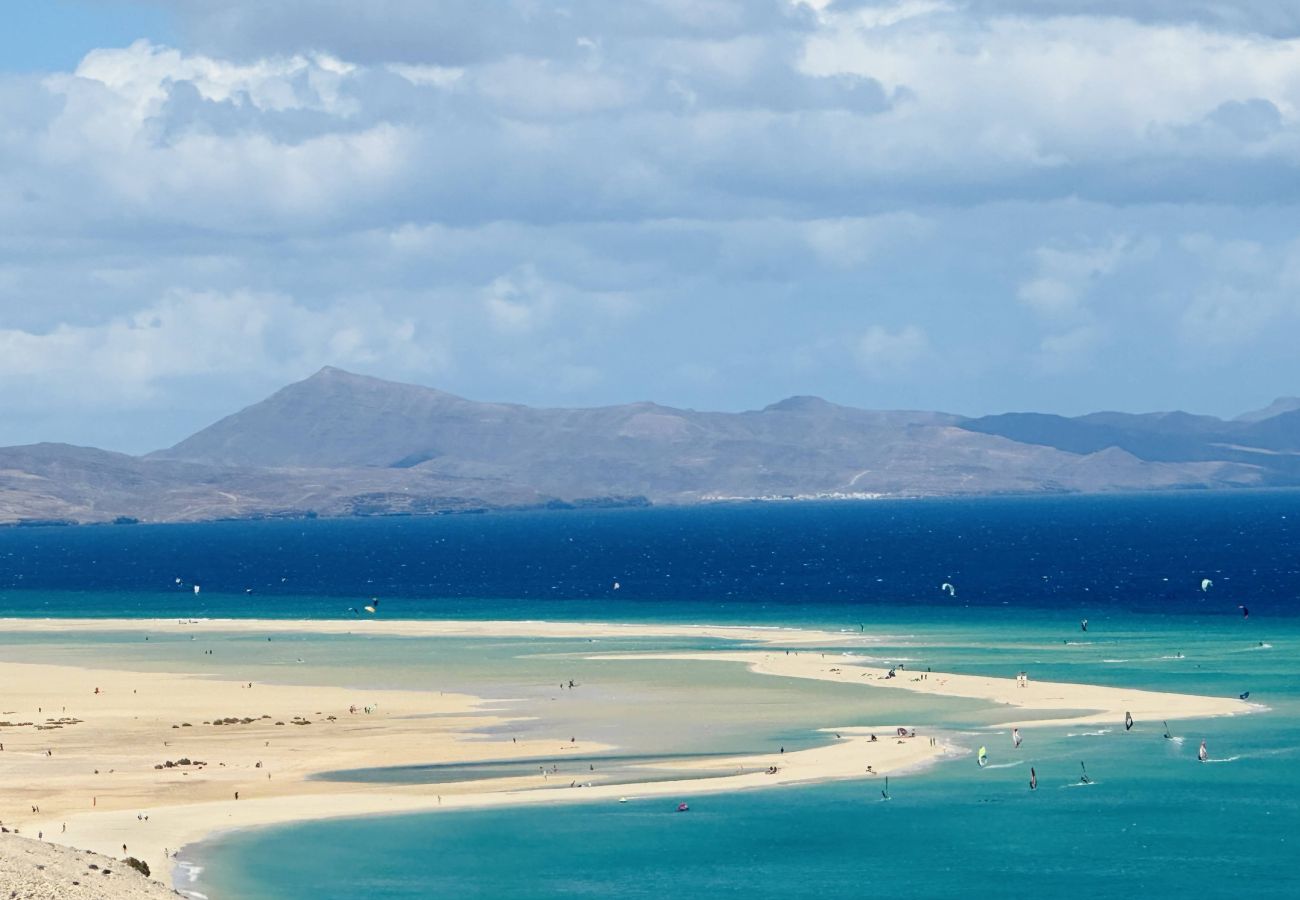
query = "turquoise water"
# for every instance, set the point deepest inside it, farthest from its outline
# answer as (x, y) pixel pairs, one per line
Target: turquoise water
(1154, 819)
(1026, 570)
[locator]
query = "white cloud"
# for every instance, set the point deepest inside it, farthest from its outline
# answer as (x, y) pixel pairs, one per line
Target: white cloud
(1242, 292)
(589, 192)
(519, 302)
(1064, 276)
(1036, 94)
(850, 242)
(1069, 351)
(885, 354)
(131, 359)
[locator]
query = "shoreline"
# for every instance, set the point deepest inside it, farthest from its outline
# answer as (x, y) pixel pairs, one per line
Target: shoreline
(485, 628)
(88, 748)
(1102, 702)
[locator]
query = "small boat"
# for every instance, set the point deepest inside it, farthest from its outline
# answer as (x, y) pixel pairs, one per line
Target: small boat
(682, 807)
(622, 799)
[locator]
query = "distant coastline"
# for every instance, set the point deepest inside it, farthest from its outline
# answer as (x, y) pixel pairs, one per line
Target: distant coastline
(340, 445)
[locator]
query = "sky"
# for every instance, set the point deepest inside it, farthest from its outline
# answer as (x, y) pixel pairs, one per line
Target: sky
(968, 205)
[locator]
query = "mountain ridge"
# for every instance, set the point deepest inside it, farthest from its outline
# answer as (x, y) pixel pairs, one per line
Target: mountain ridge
(339, 443)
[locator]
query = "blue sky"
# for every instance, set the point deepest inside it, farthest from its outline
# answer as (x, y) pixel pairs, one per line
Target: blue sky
(54, 35)
(967, 205)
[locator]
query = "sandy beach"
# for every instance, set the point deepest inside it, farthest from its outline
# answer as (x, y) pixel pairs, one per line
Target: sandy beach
(1040, 702)
(484, 628)
(143, 763)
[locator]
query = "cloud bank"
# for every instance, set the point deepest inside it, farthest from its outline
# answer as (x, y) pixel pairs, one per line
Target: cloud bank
(975, 206)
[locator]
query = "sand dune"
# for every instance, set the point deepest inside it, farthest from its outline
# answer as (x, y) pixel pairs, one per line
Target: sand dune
(37, 870)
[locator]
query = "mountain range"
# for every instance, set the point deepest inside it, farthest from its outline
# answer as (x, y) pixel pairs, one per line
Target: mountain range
(340, 444)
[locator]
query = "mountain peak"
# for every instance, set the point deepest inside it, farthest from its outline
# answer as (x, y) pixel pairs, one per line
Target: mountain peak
(1276, 408)
(800, 403)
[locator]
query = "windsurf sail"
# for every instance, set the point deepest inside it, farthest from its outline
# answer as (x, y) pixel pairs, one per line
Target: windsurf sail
(1245, 613)
(1202, 754)
(1033, 779)
(1083, 778)
(983, 757)
(884, 795)
(1083, 624)
(196, 588)
(1128, 721)
(1016, 738)
(1168, 736)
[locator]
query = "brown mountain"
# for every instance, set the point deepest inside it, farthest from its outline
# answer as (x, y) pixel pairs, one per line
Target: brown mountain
(343, 444)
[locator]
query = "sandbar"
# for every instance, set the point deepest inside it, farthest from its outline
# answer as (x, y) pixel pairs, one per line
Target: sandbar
(86, 751)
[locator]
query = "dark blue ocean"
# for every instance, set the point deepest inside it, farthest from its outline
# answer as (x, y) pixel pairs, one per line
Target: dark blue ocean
(1155, 822)
(745, 562)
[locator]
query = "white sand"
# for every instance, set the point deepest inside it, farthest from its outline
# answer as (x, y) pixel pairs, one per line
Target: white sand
(97, 775)
(1041, 702)
(440, 628)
